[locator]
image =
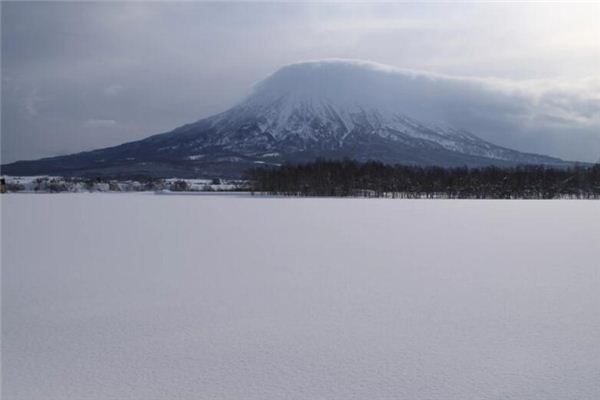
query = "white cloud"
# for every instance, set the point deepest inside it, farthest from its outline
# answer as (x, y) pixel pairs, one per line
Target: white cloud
(30, 103)
(567, 101)
(99, 123)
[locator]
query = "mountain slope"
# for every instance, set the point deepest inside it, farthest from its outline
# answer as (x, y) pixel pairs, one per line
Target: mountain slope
(328, 109)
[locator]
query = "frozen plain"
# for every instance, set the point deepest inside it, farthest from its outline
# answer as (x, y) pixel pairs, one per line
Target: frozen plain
(139, 296)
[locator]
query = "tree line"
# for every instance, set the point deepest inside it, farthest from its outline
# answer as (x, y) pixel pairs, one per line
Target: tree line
(349, 178)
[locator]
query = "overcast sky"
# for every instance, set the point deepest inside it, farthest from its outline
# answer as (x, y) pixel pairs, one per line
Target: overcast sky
(77, 76)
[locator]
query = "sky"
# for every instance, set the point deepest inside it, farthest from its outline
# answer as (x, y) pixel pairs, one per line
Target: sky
(82, 75)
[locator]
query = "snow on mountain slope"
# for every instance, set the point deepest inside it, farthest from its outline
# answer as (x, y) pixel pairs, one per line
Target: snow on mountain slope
(329, 109)
(329, 103)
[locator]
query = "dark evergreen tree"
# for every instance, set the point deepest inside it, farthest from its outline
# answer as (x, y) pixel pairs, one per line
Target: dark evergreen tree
(375, 179)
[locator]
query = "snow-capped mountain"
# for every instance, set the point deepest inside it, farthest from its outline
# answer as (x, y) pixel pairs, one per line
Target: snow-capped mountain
(327, 109)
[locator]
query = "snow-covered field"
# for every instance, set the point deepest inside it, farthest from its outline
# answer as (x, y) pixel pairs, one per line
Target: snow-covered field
(138, 296)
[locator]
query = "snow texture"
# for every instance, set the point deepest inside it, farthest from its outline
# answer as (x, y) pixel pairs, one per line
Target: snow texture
(138, 296)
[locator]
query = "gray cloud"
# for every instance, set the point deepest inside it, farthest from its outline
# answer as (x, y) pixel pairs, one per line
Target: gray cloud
(154, 66)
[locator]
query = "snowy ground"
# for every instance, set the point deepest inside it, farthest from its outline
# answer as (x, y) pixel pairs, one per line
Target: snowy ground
(46, 184)
(138, 296)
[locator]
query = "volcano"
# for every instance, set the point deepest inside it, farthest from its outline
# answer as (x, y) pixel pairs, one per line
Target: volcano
(329, 109)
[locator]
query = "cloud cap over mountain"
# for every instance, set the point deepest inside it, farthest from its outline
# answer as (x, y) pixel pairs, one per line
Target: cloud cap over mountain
(493, 108)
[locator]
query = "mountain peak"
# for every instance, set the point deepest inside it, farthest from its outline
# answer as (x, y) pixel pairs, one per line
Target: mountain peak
(343, 83)
(337, 64)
